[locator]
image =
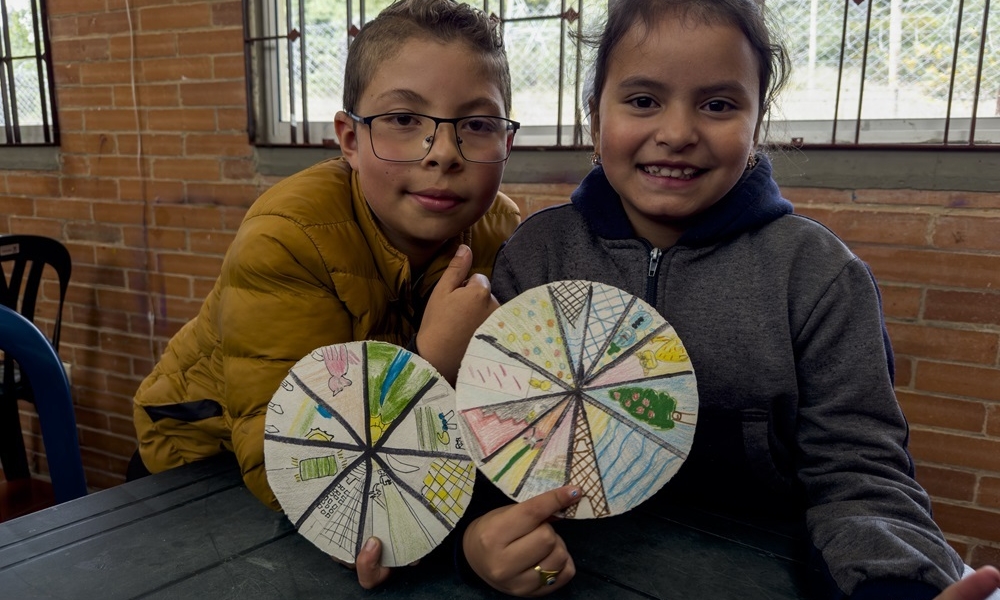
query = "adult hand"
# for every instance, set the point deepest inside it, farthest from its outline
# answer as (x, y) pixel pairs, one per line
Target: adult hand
(370, 571)
(977, 586)
(505, 546)
(457, 307)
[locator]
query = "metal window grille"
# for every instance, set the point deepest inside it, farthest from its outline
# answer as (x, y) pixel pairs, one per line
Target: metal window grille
(867, 73)
(27, 98)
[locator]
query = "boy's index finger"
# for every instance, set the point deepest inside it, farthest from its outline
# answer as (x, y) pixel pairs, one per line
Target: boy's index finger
(526, 516)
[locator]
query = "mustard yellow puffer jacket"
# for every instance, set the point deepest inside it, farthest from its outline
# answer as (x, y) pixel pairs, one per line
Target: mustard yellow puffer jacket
(308, 267)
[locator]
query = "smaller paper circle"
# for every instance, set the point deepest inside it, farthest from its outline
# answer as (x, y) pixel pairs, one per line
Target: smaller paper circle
(361, 440)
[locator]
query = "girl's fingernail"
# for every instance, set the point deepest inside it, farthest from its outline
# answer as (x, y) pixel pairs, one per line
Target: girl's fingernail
(574, 493)
(370, 544)
(462, 250)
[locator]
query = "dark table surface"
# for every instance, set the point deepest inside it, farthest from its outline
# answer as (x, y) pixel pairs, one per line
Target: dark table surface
(197, 532)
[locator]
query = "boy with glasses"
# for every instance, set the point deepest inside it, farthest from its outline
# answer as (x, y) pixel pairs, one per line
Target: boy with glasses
(393, 242)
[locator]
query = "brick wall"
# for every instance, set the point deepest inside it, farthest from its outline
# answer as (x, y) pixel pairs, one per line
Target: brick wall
(148, 211)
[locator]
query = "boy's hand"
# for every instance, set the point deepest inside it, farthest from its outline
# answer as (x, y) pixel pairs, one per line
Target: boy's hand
(977, 586)
(511, 546)
(371, 573)
(456, 308)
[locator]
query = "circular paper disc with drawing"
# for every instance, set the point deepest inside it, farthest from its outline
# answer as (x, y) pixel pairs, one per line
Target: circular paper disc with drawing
(578, 383)
(360, 440)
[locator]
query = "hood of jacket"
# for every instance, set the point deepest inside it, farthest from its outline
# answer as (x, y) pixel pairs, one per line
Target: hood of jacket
(753, 202)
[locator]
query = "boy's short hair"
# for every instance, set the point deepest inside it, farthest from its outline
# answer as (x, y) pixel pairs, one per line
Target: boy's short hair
(444, 20)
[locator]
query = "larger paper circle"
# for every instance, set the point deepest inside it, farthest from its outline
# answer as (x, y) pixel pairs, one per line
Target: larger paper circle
(578, 383)
(360, 440)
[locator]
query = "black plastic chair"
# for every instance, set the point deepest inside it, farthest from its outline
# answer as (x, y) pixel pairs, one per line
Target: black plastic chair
(23, 259)
(21, 340)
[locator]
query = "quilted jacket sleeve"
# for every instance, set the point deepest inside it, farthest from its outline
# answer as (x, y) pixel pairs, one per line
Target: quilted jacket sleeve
(277, 304)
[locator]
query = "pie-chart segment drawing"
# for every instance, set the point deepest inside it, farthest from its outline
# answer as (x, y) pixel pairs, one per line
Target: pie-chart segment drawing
(581, 383)
(362, 439)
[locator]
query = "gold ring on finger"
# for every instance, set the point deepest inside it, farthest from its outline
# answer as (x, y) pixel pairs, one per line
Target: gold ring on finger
(546, 577)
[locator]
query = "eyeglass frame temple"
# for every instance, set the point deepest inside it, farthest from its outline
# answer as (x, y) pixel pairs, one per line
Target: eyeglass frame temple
(512, 127)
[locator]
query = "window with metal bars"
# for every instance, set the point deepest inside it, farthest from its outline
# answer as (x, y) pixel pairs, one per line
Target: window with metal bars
(887, 73)
(27, 97)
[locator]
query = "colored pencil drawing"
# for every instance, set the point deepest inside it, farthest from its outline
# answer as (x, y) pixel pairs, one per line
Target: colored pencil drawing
(579, 383)
(362, 439)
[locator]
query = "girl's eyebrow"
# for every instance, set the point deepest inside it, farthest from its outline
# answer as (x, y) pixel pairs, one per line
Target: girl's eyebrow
(722, 87)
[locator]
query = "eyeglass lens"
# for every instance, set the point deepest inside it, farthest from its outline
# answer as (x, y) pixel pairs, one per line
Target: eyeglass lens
(406, 137)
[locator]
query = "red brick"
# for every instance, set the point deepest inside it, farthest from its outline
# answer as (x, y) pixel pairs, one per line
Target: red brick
(241, 169)
(989, 492)
(971, 522)
(225, 194)
(189, 119)
(232, 119)
(951, 199)
(150, 95)
(90, 275)
(162, 284)
(171, 18)
(958, 380)
(220, 41)
(64, 209)
(900, 302)
(118, 212)
(983, 555)
(157, 238)
(94, 232)
(993, 421)
(902, 265)
(942, 343)
(187, 217)
(963, 307)
(213, 93)
(217, 144)
(947, 483)
(83, 97)
(176, 69)
(143, 45)
(153, 144)
(103, 73)
(33, 226)
(118, 166)
(232, 67)
(80, 7)
(807, 196)
(35, 184)
(227, 13)
(111, 119)
(880, 227)
(186, 169)
(934, 411)
(85, 49)
(206, 266)
(955, 450)
(210, 242)
(152, 190)
(977, 232)
(62, 27)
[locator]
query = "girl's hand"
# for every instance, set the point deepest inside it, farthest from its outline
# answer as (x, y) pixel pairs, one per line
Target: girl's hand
(457, 307)
(516, 550)
(977, 586)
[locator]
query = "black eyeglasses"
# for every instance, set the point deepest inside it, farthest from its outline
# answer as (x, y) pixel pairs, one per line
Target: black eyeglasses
(408, 137)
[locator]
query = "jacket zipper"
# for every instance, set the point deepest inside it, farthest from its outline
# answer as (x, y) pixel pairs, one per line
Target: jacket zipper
(654, 265)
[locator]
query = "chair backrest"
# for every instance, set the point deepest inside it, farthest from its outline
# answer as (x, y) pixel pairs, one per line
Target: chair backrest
(29, 255)
(28, 346)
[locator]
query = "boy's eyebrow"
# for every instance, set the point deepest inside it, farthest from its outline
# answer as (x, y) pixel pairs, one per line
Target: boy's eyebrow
(405, 95)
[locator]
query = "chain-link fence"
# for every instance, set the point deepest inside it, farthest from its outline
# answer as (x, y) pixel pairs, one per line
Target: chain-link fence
(26, 93)
(864, 71)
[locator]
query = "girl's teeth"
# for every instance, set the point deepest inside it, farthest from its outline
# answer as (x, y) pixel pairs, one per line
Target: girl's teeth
(685, 173)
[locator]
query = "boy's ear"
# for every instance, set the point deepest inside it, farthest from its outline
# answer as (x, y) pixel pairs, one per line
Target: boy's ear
(347, 135)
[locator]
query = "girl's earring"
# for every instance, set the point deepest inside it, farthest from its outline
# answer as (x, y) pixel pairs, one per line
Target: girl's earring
(752, 160)
(595, 159)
